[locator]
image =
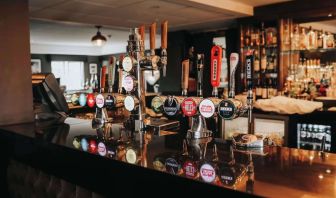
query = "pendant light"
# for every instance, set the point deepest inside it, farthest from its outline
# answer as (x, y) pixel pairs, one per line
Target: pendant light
(98, 39)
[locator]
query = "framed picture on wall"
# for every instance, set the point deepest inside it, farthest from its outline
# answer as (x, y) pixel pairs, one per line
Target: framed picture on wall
(35, 66)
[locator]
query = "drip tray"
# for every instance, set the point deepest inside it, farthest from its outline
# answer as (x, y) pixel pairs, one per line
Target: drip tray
(163, 127)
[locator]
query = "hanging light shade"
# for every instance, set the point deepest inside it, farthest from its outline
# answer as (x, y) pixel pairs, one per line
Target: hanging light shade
(98, 39)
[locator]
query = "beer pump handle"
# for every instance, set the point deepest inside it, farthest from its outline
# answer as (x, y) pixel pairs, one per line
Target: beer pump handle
(102, 79)
(164, 37)
(200, 66)
(216, 63)
(249, 81)
(120, 74)
(185, 77)
(234, 58)
(111, 73)
(152, 38)
(164, 34)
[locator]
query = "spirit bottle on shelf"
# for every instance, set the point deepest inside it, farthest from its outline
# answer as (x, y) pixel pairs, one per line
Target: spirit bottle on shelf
(256, 61)
(296, 38)
(311, 39)
(263, 60)
(303, 39)
(262, 35)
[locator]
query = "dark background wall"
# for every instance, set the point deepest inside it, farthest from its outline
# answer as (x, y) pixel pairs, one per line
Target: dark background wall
(179, 43)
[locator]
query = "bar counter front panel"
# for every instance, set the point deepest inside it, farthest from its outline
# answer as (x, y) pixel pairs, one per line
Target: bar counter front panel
(276, 171)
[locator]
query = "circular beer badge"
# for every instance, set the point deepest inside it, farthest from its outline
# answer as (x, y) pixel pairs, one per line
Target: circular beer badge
(172, 166)
(109, 101)
(101, 149)
(128, 83)
(93, 146)
(82, 100)
(76, 143)
(90, 100)
(206, 108)
(208, 173)
(127, 64)
(84, 144)
(100, 101)
(190, 169)
(170, 106)
(131, 156)
(157, 104)
(226, 109)
(189, 107)
(129, 103)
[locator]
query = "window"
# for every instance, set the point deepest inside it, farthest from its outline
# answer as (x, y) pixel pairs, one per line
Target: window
(71, 73)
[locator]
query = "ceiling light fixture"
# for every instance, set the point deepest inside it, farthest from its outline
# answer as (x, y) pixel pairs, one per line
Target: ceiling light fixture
(98, 39)
(330, 15)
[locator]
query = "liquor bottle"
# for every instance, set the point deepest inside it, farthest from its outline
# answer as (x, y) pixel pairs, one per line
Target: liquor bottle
(320, 39)
(303, 39)
(247, 38)
(256, 64)
(263, 61)
(262, 35)
(270, 90)
(258, 89)
(311, 38)
(264, 87)
(275, 84)
(330, 40)
(296, 38)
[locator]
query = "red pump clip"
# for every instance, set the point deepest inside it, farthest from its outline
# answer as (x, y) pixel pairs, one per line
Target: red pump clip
(216, 64)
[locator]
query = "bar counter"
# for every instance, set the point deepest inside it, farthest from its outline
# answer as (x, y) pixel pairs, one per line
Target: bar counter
(277, 171)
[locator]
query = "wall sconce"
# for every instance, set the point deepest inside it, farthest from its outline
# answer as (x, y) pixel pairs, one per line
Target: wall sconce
(98, 39)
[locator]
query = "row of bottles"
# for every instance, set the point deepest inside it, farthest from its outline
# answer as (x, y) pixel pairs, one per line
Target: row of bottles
(310, 79)
(308, 38)
(263, 41)
(311, 136)
(258, 36)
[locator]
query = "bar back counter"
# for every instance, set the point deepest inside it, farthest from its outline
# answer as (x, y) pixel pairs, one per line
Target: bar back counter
(123, 164)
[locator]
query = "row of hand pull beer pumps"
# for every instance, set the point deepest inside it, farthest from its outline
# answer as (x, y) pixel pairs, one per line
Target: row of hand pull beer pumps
(135, 62)
(196, 109)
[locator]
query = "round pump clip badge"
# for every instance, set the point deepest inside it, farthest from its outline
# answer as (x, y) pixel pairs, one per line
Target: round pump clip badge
(172, 166)
(82, 100)
(92, 146)
(131, 156)
(100, 101)
(129, 103)
(102, 149)
(109, 101)
(128, 83)
(226, 109)
(171, 106)
(190, 169)
(208, 173)
(127, 63)
(157, 104)
(90, 100)
(84, 144)
(206, 108)
(189, 107)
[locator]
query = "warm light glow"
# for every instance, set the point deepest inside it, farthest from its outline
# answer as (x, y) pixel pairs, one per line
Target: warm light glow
(320, 176)
(330, 15)
(98, 42)
(328, 171)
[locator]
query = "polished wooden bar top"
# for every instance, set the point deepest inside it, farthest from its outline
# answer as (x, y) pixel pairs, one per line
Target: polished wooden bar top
(277, 171)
